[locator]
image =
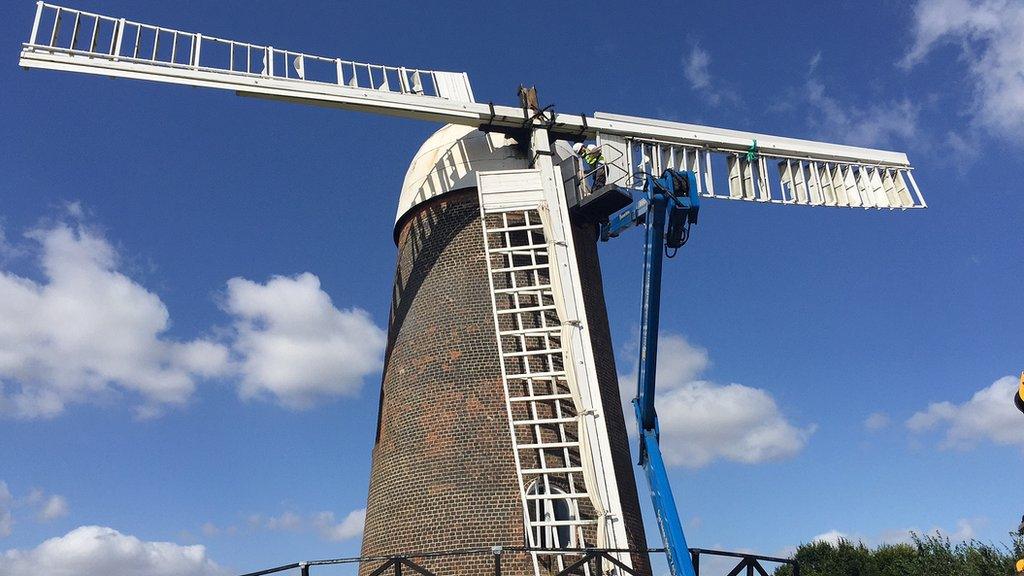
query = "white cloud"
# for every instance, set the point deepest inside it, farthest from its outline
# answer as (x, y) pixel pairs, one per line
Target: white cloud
(966, 530)
(679, 361)
(323, 523)
(288, 521)
(702, 421)
(990, 37)
(965, 147)
(815, 61)
(296, 347)
(6, 520)
(56, 506)
(695, 67)
(100, 550)
(46, 509)
(833, 537)
(75, 209)
(254, 521)
(882, 124)
(88, 331)
(877, 421)
(350, 527)
(35, 496)
(988, 415)
(6, 250)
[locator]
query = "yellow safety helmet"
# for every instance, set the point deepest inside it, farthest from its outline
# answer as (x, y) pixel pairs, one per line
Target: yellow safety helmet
(1020, 566)
(1018, 398)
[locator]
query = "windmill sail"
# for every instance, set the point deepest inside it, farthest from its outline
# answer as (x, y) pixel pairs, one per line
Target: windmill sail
(778, 171)
(105, 45)
(782, 171)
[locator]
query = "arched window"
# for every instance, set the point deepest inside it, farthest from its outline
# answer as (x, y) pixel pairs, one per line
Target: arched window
(550, 510)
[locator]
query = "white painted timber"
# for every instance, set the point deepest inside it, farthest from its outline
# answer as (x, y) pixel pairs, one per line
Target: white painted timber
(510, 190)
(120, 48)
(780, 179)
(450, 159)
(547, 361)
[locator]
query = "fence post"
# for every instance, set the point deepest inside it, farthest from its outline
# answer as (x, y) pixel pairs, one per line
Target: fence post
(496, 550)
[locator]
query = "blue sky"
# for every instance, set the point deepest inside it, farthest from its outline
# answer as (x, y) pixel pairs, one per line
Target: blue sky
(158, 240)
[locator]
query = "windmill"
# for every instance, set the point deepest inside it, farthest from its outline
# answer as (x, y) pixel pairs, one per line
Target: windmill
(499, 418)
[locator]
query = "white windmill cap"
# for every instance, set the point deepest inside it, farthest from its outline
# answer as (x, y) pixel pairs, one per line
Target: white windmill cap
(449, 160)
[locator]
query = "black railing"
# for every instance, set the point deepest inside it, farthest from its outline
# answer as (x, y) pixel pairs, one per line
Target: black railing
(749, 562)
(573, 561)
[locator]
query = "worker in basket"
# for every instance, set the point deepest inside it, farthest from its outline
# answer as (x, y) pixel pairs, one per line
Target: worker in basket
(594, 165)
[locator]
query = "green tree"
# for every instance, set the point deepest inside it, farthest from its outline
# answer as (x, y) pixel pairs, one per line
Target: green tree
(925, 555)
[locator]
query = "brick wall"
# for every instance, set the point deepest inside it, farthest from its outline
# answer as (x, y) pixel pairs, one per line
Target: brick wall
(443, 475)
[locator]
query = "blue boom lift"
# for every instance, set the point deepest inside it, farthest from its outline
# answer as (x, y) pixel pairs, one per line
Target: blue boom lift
(666, 207)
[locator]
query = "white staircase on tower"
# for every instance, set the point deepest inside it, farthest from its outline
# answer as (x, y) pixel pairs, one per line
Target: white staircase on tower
(562, 454)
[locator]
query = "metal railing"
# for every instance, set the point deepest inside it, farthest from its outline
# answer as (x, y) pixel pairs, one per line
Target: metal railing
(597, 560)
(59, 29)
(748, 565)
(581, 182)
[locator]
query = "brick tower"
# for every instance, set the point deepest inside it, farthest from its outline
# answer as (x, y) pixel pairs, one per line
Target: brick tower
(443, 473)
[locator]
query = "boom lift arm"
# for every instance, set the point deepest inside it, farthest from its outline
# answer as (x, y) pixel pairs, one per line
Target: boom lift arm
(667, 207)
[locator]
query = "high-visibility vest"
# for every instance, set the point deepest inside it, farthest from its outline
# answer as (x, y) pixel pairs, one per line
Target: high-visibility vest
(592, 157)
